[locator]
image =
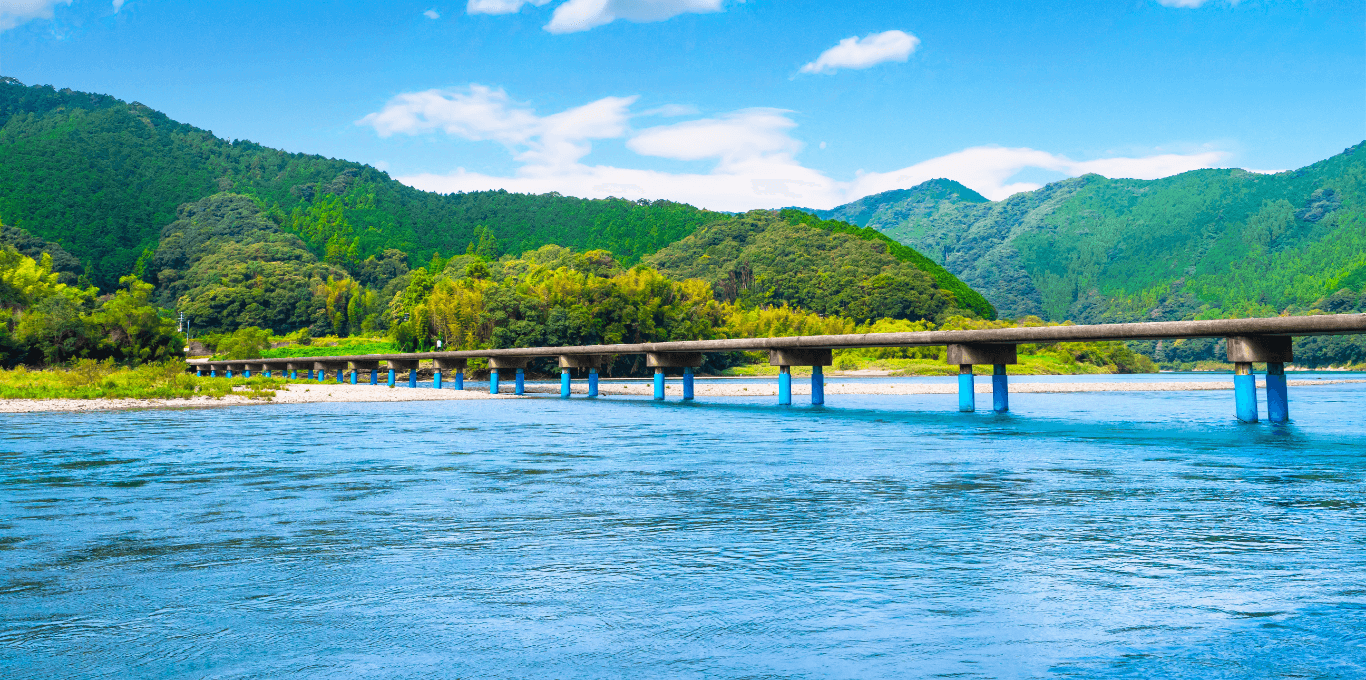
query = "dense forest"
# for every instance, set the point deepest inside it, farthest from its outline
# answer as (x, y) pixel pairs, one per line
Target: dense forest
(44, 321)
(1202, 244)
(111, 201)
(102, 178)
(765, 258)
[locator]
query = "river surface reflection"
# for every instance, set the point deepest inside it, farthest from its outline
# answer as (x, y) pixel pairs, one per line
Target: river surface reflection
(1083, 535)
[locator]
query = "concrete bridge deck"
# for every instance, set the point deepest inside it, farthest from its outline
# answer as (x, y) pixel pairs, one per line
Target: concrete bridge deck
(1261, 340)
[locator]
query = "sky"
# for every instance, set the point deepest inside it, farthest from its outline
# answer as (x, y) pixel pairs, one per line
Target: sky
(729, 104)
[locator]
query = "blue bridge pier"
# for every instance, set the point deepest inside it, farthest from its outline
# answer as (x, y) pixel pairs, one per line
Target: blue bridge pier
(443, 365)
(588, 362)
(1273, 350)
(662, 360)
(409, 365)
(508, 363)
(372, 367)
(998, 356)
(335, 367)
(785, 359)
(1265, 341)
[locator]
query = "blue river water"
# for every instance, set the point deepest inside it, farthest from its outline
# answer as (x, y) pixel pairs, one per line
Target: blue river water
(1113, 535)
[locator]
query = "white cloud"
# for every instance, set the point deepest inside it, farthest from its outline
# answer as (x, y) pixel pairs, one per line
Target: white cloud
(753, 155)
(430, 14)
(573, 16)
(482, 113)
(735, 140)
(500, 6)
(17, 12)
(672, 111)
(854, 52)
(580, 15)
(118, 5)
(988, 169)
(1191, 3)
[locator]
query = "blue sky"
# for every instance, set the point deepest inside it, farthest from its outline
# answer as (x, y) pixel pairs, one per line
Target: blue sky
(727, 104)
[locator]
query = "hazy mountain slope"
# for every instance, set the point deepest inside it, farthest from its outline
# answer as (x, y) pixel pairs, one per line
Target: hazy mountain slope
(891, 206)
(1203, 243)
(766, 257)
(102, 178)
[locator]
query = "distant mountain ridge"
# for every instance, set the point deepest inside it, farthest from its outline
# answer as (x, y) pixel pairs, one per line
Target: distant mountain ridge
(1205, 243)
(102, 177)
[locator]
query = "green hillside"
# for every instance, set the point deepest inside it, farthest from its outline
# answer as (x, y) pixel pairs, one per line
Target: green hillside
(829, 267)
(102, 178)
(1203, 244)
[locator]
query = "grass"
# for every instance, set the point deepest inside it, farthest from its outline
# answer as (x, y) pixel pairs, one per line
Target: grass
(90, 379)
(333, 347)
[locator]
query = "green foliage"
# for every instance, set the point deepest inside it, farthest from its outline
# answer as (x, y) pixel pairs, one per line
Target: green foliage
(90, 379)
(225, 264)
(102, 177)
(1203, 244)
(346, 347)
(135, 330)
(967, 298)
(833, 269)
(243, 343)
(68, 268)
(43, 321)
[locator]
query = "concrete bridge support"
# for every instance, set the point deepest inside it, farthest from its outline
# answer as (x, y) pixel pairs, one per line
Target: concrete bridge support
(409, 365)
(337, 367)
(457, 365)
(662, 360)
(508, 363)
(1274, 350)
(293, 367)
(569, 362)
(785, 359)
(998, 356)
(371, 366)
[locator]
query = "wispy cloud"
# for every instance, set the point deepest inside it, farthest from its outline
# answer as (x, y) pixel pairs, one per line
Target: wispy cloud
(753, 155)
(573, 16)
(18, 12)
(500, 6)
(856, 53)
(1191, 3)
(430, 14)
(481, 113)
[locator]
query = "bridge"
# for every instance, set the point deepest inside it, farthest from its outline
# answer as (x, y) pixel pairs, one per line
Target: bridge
(1249, 341)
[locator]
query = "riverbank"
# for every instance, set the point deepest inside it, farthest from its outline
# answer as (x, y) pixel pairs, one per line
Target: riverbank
(314, 393)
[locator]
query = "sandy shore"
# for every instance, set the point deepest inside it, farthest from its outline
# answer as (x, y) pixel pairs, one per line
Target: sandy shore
(311, 393)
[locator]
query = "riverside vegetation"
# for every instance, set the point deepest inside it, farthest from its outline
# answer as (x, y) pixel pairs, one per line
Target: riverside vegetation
(257, 246)
(1205, 244)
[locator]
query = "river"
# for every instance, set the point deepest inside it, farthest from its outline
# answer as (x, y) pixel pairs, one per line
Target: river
(1110, 535)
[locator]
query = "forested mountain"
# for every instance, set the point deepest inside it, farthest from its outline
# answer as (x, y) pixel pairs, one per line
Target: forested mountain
(67, 268)
(102, 178)
(1202, 244)
(828, 267)
(225, 265)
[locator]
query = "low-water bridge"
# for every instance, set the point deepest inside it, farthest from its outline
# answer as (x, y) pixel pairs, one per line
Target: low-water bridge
(1265, 340)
